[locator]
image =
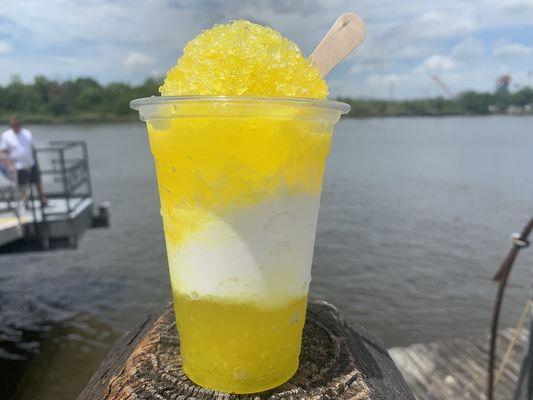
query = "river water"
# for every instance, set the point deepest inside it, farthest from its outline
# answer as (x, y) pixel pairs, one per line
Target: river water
(415, 218)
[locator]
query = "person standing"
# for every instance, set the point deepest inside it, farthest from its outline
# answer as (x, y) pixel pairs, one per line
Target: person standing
(17, 144)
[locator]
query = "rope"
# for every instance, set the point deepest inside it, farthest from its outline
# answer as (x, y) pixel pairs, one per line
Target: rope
(516, 335)
(519, 241)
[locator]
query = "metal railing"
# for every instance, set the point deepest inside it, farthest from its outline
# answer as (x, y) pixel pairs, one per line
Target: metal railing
(66, 182)
(64, 168)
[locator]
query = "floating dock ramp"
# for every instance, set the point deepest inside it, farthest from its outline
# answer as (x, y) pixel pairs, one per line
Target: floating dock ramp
(457, 368)
(70, 209)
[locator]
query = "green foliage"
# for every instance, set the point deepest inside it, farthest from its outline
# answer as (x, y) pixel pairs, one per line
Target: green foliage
(476, 103)
(467, 103)
(82, 99)
(523, 97)
(86, 100)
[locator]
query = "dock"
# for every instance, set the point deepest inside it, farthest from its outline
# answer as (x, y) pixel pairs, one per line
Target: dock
(457, 368)
(59, 221)
(70, 209)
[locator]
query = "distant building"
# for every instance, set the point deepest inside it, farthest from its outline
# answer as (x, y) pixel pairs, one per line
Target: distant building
(515, 110)
(494, 109)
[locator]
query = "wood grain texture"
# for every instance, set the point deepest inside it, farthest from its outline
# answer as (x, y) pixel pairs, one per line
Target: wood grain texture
(337, 362)
(457, 369)
(346, 34)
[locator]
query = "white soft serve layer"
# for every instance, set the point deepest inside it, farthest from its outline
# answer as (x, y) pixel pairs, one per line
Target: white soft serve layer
(261, 253)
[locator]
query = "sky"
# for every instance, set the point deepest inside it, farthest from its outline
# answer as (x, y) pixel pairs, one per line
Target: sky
(466, 43)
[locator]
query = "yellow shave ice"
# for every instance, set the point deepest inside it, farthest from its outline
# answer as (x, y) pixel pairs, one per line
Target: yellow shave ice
(244, 59)
(240, 183)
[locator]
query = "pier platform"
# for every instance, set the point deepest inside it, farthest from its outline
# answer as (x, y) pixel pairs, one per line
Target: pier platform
(62, 220)
(457, 368)
(11, 227)
(66, 181)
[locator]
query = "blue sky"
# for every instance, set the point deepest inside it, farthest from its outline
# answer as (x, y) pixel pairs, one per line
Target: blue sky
(468, 44)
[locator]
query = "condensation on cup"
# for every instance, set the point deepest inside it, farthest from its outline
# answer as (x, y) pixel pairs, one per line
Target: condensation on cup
(239, 183)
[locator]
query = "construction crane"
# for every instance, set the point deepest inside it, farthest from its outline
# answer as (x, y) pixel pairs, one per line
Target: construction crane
(442, 85)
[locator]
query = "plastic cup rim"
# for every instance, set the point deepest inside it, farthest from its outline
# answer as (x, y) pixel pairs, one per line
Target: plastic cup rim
(333, 105)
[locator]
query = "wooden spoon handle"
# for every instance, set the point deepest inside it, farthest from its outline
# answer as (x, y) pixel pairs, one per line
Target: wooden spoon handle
(346, 34)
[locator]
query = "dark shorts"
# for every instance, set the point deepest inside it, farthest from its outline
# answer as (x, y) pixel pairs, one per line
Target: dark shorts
(27, 176)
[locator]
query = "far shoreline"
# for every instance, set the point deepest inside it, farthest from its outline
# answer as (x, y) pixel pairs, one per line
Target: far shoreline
(107, 119)
(85, 100)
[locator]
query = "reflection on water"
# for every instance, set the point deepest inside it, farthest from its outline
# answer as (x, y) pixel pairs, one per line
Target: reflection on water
(63, 354)
(415, 218)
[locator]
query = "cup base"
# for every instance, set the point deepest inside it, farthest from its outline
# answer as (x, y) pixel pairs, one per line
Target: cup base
(239, 347)
(245, 387)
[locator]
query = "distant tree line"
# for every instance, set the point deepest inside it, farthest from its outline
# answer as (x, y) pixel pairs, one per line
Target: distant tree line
(467, 103)
(85, 99)
(78, 100)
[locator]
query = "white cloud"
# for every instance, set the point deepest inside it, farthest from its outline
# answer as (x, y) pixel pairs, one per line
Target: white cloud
(435, 64)
(407, 40)
(468, 49)
(412, 52)
(511, 50)
(438, 24)
(506, 13)
(362, 66)
(387, 79)
(135, 59)
(5, 47)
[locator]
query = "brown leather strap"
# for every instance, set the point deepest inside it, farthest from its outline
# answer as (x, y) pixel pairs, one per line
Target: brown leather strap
(519, 241)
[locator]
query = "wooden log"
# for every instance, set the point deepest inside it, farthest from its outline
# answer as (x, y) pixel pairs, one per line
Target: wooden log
(337, 362)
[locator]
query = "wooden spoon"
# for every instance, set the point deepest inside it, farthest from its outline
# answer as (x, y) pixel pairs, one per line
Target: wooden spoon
(346, 34)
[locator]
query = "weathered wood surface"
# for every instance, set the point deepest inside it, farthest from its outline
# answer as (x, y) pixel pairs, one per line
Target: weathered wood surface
(457, 369)
(337, 362)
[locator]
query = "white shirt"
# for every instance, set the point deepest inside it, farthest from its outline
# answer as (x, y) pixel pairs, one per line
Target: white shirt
(20, 147)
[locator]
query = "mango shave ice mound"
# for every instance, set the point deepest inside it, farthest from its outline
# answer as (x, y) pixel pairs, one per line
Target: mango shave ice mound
(244, 59)
(239, 181)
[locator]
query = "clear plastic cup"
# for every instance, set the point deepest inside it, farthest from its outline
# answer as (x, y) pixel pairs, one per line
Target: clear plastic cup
(239, 182)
